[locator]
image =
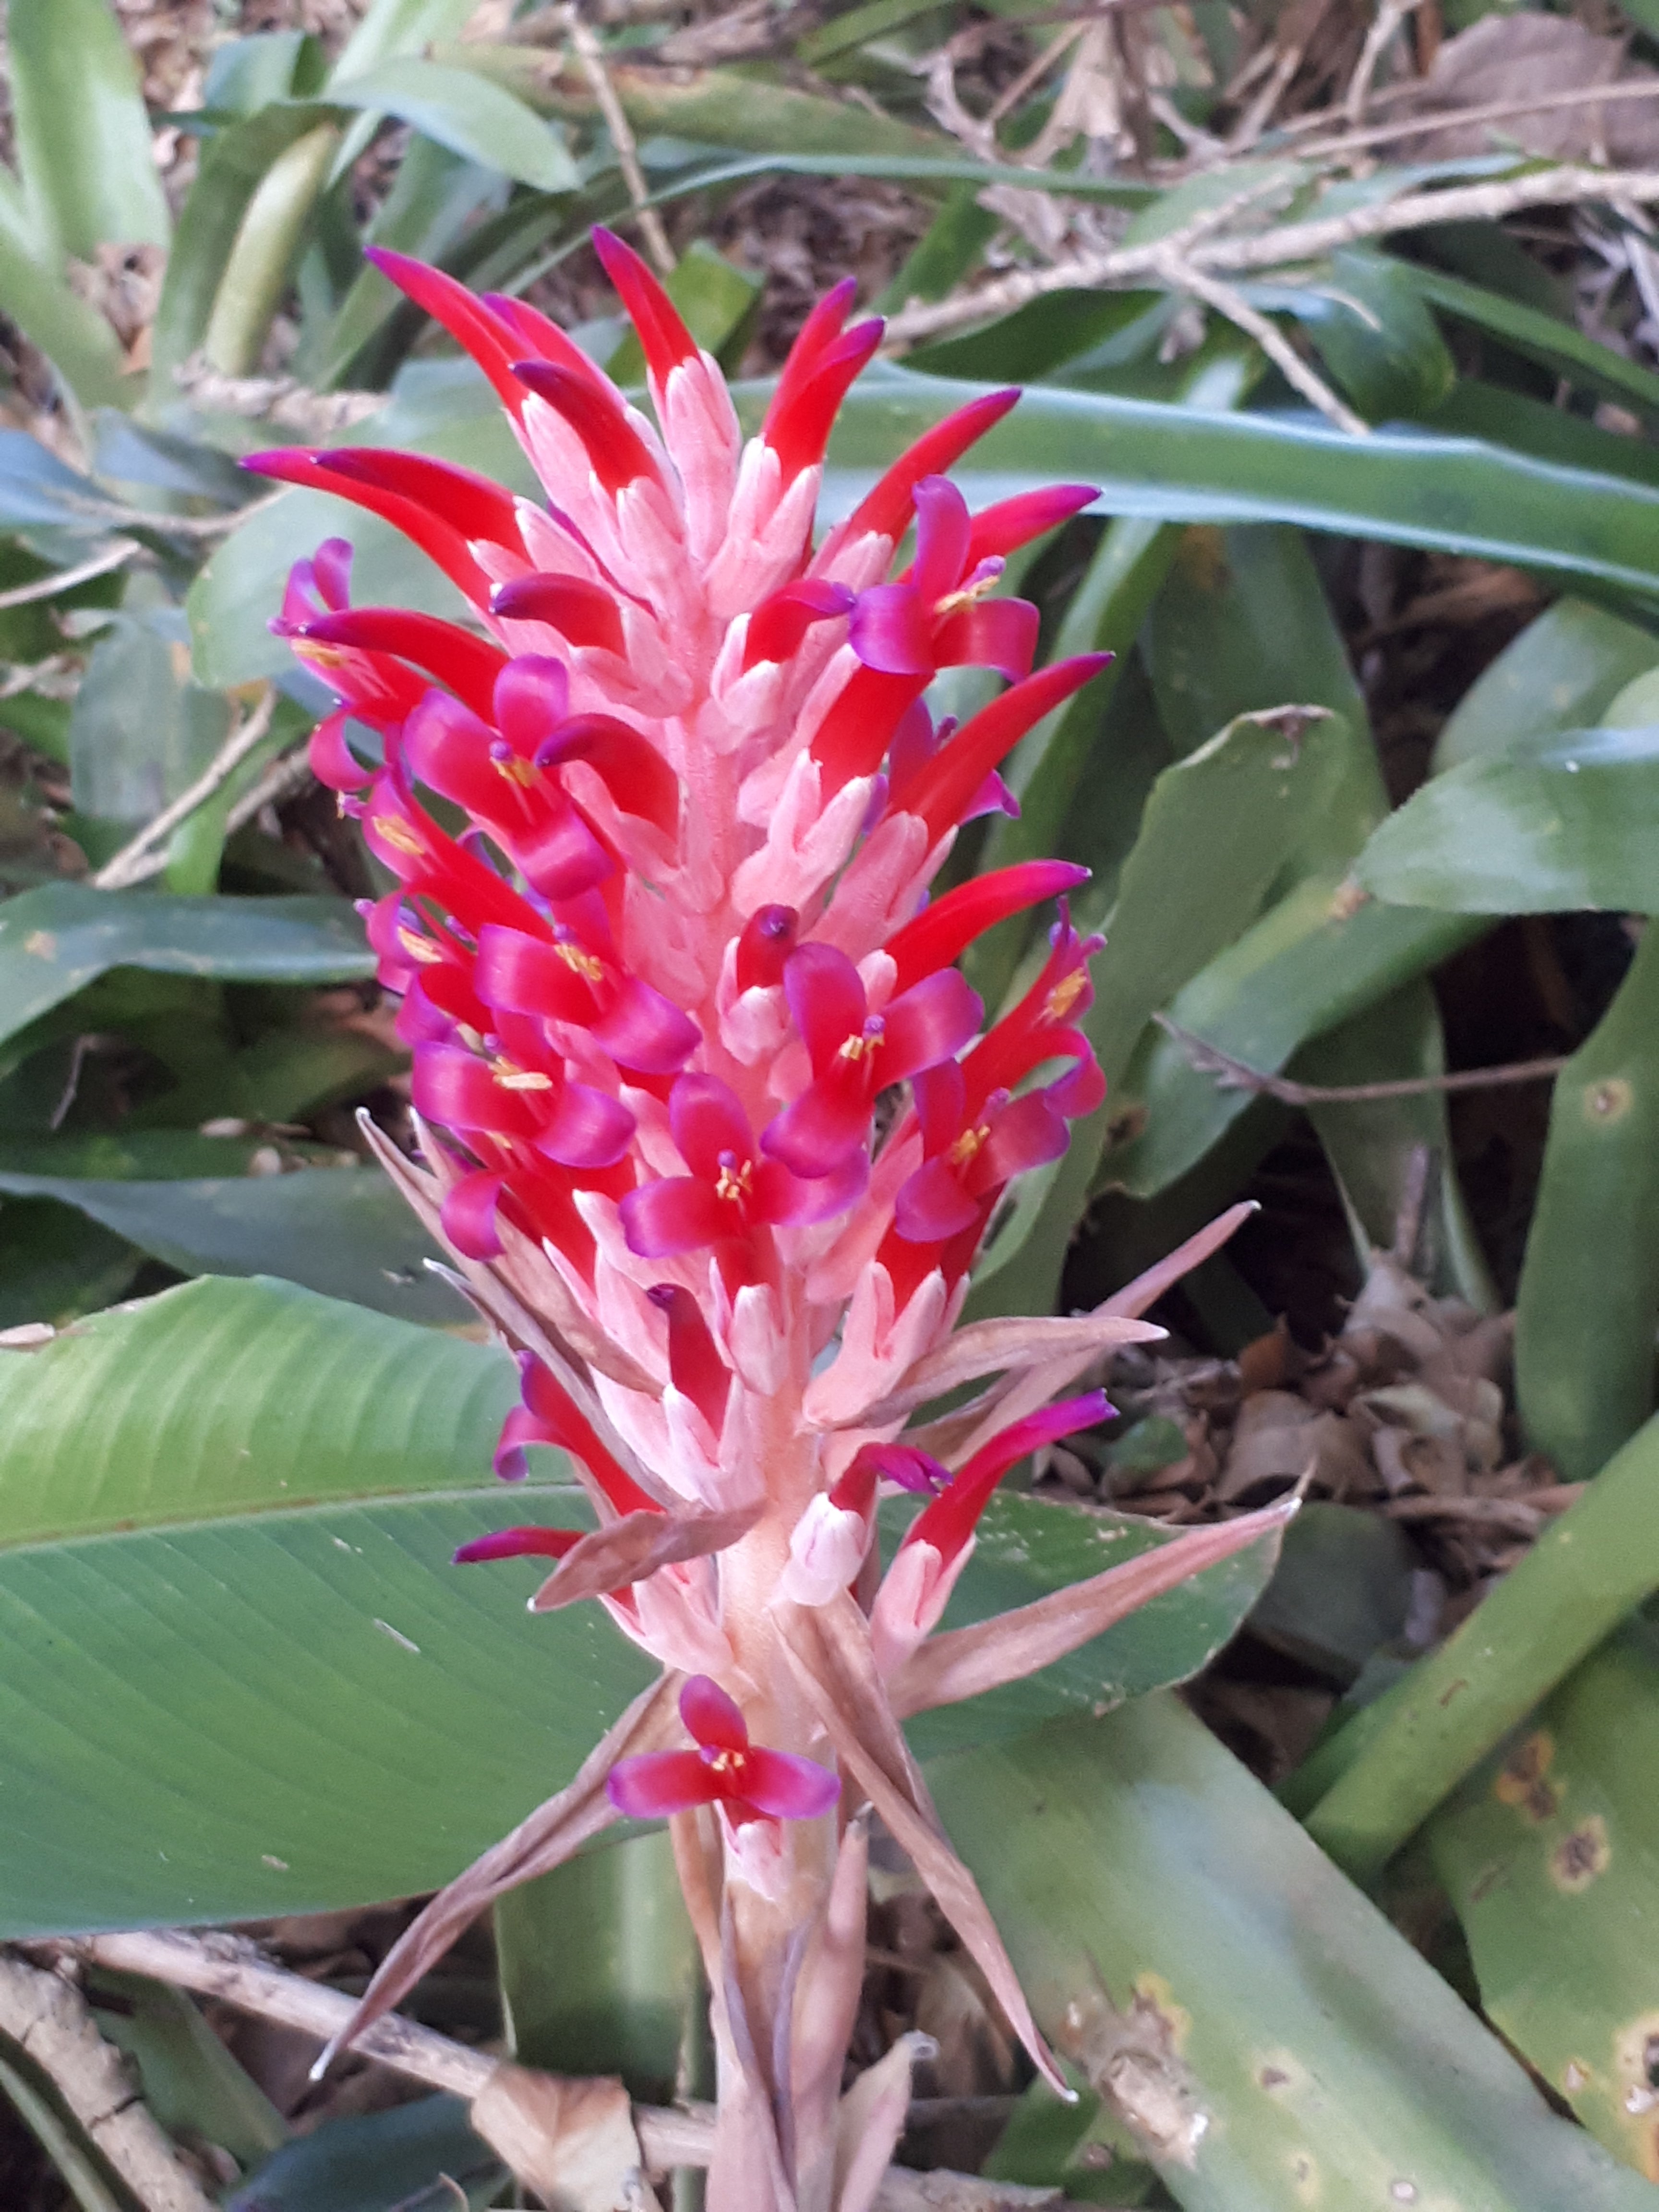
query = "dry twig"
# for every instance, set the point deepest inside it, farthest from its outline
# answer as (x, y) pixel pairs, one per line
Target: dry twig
(65, 580)
(1182, 276)
(590, 54)
(145, 855)
(1232, 1074)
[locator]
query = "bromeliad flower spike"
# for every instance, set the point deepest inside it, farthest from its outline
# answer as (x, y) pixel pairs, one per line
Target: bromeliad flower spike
(656, 989)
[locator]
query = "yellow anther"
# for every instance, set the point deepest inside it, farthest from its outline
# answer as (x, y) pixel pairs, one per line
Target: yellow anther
(954, 602)
(967, 1144)
(585, 964)
(858, 1048)
(512, 1077)
(518, 771)
(1065, 995)
(725, 1762)
(398, 835)
(735, 1183)
(418, 947)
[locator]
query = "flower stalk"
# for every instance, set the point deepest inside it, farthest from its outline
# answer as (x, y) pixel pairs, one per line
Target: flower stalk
(714, 1126)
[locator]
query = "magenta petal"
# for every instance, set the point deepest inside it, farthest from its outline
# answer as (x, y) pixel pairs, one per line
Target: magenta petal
(932, 1205)
(788, 1788)
(676, 1213)
(332, 761)
(943, 530)
(1079, 1092)
(826, 998)
(713, 1719)
(1027, 1134)
(1061, 1419)
(531, 698)
(468, 1216)
(795, 1201)
(518, 1543)
(706, 1118)
(642, 1029)
(454, 1087)
(561, 856)
(890, 629)
(992, 797)
(659, 1782)
(814, 1136)
(523, 1426)
(588, 1128)
(927, 1024)
(940, 1094)
(906, 1465)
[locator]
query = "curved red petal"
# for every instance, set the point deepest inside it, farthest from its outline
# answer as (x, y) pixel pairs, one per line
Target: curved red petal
(999, 633)
(940, 790)
(468, 1216)
(468, 665)
(707, 1120)
(675, 1213)
(664, 337)
(826, 998)
(787, 1788)
(588, 1129)
(932, 1205)
(927, 1024)
(519, 1543)
(584, 612)
(658, 1782)
(711, 1718)
(944, 930)
(618, 453)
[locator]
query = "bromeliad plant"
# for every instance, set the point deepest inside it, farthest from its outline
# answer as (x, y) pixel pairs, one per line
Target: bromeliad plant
(713, 1125)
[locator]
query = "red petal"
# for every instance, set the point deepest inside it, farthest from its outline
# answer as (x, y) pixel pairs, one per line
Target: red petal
(926, 1024)
(830, 1119)
(788, 1202)
(527, 975)
(676, 1213)
(804, 408)
(643, 1031)
(887, 508)
(664, 337)
(827, 1000)
(468, 1215)
(332, 761)
(708, 1119)
(468, 665)
(891, 629)
(659, 1782)
(944, 930)
(940, 791)
(942, 532)
(467, 319)
(584, 612)
(631, 768)
(949, 1522)
(999, 633)
(454, 1087)
(778, 625)
(768, 940)
(594, 412)
(695, 1366)
(855, 733)
(587, 1129)
(711, 1718)
(1014, 522)
(933, 1206)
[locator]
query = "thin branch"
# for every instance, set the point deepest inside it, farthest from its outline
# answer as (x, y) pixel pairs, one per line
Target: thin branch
(1461, 118)
(145, 855)
(229, 1968)
(284, 779)
(1182, 276)
(590, 54)
(1272, 249)
(45, 2018)
(1232, 1074)
(1391, 15)
(65, 580)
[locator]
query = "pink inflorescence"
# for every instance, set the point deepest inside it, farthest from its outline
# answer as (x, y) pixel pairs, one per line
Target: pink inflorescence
(680, 964)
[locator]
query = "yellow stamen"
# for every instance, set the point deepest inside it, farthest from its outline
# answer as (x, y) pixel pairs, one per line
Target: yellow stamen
(735, 1183)
(418, 948)
(858, 1048)
(398, 835)
(583, 964)
(522, 772)
(967, 1144)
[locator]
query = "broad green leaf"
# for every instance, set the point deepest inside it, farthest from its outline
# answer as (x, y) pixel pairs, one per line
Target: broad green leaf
(1341, 1588)
(73, 336)
(138, 731)
(1211, 1973)
(1563, 672)
(1588, 1298)
(1573, 823)
(1316, 959)
(248, 74)
(56, 1265)
(389, 2161)
(940, 259)
(227, 1522)
(389, 27)
(83, 138)
(874, 20)
(464, 111)
(266, 249)
(55, 939)
(341, 1231)
(192, 2085)
(600, 1969)
(1557, 345)
(1473, 409)
(1113, 327)
(36, 487)
(1547, 1854)
(234, 163)
(1374, 334)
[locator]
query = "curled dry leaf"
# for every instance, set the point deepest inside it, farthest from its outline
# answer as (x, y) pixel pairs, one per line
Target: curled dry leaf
(963, 1662)
(572, 2141)
(552, 1834)
(828, 1651)
(634, 1547)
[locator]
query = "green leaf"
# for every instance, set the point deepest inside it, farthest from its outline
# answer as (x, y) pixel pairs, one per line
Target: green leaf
(36, 487)
(1028, 1547)
(55, 1265)
(83, 140)
(1574, 825)
(940, 260)
(1188, 464)
(390, 2162)
(341, 1231)
(1588, 1298)
(600, 1971)
(389, 27)
(248, 74)
(1214, 1976)
(1547, 1854)
(1563, 672)
(1541, 337)
(266, 249)
(234, 163)
(194, 2088)
(55, 939)
(1374, 334)
(1113, 327)
(73, 336)
(854, 26)
(1341, 1588)
(464, 111)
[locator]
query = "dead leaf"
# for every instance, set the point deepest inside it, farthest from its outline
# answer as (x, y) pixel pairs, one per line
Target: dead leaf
(870, 2120)
(571, 2140)
(1511, 58)
(628, 1550)
(1017, 1342)
(963, 1663)
(552, 1834)
(829, 1648)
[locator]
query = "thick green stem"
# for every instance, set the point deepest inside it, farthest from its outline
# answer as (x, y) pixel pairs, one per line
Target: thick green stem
(267, 246)
(1396, 1761)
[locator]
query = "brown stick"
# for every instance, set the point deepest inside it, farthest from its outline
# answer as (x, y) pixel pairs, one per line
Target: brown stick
(1237, 1075)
